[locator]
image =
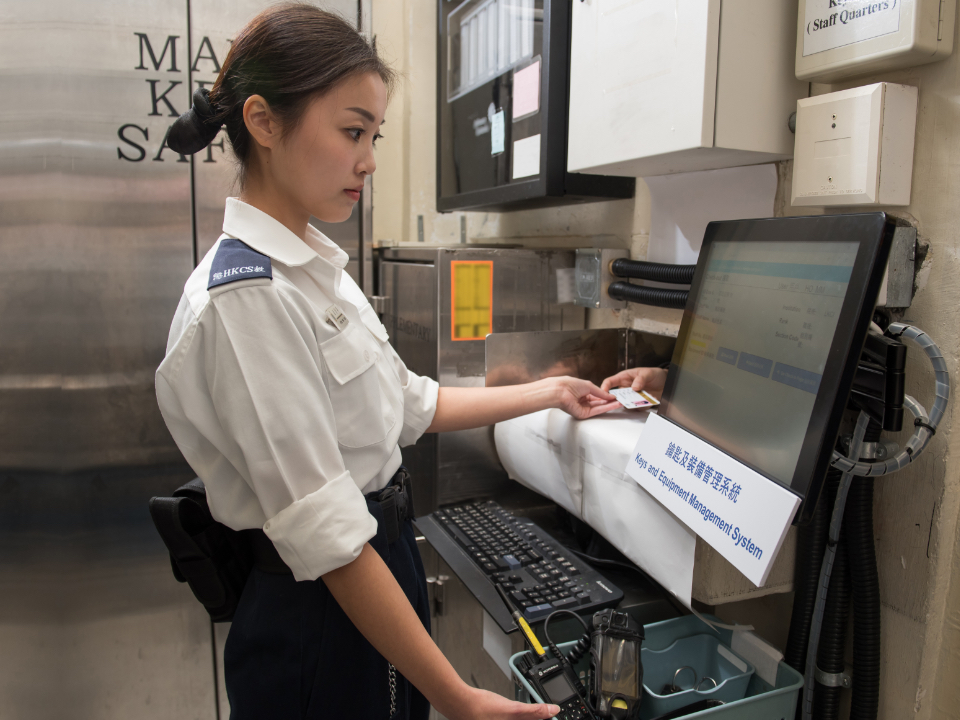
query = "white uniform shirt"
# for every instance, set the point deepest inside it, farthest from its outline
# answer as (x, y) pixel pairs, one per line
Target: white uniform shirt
(287, 418)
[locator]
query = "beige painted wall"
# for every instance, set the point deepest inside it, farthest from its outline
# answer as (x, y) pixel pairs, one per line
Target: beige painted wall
(916, 512)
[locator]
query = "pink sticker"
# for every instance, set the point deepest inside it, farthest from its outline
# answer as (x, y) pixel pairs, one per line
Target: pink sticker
(526, 90)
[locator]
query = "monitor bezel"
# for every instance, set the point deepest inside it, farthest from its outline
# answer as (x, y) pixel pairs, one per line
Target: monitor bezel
(874, 231)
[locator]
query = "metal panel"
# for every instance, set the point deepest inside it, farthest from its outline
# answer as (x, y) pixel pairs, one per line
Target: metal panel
(593, 355)
(416, 283)
(92, 624)
(95, 234)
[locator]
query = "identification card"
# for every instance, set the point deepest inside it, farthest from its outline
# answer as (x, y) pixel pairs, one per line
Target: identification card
(336, 317)
(736, 510)
(631, 399)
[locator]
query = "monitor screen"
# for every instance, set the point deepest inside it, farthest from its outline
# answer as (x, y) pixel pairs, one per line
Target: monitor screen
(777, 315)
(558, 688)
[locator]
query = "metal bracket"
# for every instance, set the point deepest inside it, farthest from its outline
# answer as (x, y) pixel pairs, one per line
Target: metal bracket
(872, 450)
(833, 679)
(897, 289)
(438, 593)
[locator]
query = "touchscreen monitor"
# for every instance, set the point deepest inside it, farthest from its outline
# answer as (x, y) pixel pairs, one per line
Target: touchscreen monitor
(773, 328)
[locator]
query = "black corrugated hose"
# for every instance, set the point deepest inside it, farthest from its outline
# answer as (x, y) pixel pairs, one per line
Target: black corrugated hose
(865, 587)
(833, 635)
(648, 296)
(811, 544)
(660, 272)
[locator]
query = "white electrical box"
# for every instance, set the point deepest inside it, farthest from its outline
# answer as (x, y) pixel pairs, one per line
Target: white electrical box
(855, 147)
(842, 38)
(667, 86)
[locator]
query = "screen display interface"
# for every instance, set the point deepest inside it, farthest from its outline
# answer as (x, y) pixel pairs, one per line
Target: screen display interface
(558, 688)
(763, 323)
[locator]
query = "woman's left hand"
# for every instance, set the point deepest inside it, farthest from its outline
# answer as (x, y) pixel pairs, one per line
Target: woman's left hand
(581, 398)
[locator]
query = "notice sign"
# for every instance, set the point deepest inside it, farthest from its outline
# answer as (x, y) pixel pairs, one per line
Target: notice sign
(831, 24)
(740, 513)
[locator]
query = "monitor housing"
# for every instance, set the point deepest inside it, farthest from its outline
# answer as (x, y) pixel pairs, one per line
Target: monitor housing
(770, 339)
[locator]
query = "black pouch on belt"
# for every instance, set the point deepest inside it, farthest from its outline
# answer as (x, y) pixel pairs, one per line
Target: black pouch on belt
(212, 559)
(215, 560)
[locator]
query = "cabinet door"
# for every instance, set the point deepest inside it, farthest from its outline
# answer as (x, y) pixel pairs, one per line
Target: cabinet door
(643, 79)
(459, 634)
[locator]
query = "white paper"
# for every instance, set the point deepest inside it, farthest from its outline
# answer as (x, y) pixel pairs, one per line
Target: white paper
(496, 133)
(497, 644)
(579, 465)
(741, 514)
(683, 204)
(829, 24)
(526, 91)
(526, 157)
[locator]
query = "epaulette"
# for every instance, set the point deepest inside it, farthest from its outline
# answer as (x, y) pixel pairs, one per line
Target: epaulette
(236, 261)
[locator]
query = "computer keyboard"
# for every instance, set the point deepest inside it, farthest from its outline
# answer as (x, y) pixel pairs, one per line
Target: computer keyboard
(538, 573)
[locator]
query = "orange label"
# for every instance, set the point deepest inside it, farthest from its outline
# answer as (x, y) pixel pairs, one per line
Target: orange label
(471, 299)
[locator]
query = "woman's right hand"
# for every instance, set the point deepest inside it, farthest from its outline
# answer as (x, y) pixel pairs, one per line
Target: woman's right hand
(485, 705)
(648, 378)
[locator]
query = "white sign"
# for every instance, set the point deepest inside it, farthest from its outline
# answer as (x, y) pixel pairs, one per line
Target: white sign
(834, 23)
(740, 513)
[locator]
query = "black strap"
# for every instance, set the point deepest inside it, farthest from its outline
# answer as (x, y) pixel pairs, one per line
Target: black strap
(265, 555)
(920, 423)
(388, 506)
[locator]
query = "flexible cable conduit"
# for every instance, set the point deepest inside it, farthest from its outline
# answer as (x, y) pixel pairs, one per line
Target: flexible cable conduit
(648, 296)
(660, 272)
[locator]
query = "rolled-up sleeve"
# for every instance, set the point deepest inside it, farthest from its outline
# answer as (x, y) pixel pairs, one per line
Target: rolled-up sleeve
(267, 388)
(419, 400)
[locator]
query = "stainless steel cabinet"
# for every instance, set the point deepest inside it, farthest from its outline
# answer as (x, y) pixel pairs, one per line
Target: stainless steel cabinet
(457, 628)
(97, 236)
(520, 293)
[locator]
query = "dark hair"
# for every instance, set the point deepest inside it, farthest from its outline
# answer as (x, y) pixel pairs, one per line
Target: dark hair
(289, 54)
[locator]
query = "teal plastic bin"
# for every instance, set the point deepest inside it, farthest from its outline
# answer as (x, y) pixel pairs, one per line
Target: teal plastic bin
(702, 656)
(761, 701)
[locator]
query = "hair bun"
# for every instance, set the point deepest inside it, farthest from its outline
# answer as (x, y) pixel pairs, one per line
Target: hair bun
(197, 127)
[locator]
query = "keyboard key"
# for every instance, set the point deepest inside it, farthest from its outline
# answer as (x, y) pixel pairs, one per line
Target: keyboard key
(517, 596)
(511, 562)
(488, 567)
(538, 610)
(565, 602)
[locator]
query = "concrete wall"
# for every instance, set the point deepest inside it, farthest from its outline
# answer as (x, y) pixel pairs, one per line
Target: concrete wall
(916, 511)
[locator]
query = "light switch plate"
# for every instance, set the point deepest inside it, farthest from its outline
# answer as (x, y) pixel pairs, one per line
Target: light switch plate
(855, 147)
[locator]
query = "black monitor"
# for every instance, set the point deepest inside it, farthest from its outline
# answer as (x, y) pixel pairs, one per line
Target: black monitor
(770, 339)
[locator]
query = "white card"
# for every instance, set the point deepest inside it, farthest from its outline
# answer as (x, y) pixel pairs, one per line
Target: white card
(735, 509)
(526, 157)
(496, 133)
(631, 399)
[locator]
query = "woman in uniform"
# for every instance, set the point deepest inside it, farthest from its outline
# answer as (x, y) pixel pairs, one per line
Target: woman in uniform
(282, 391)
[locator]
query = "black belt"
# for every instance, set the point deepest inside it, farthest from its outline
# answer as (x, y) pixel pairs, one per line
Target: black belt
(396, 505)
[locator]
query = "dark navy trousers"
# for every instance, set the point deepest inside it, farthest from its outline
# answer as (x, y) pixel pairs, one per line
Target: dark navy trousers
(293, 654)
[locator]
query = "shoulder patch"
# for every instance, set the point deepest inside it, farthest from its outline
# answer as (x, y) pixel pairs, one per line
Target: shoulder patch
(236, 261)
